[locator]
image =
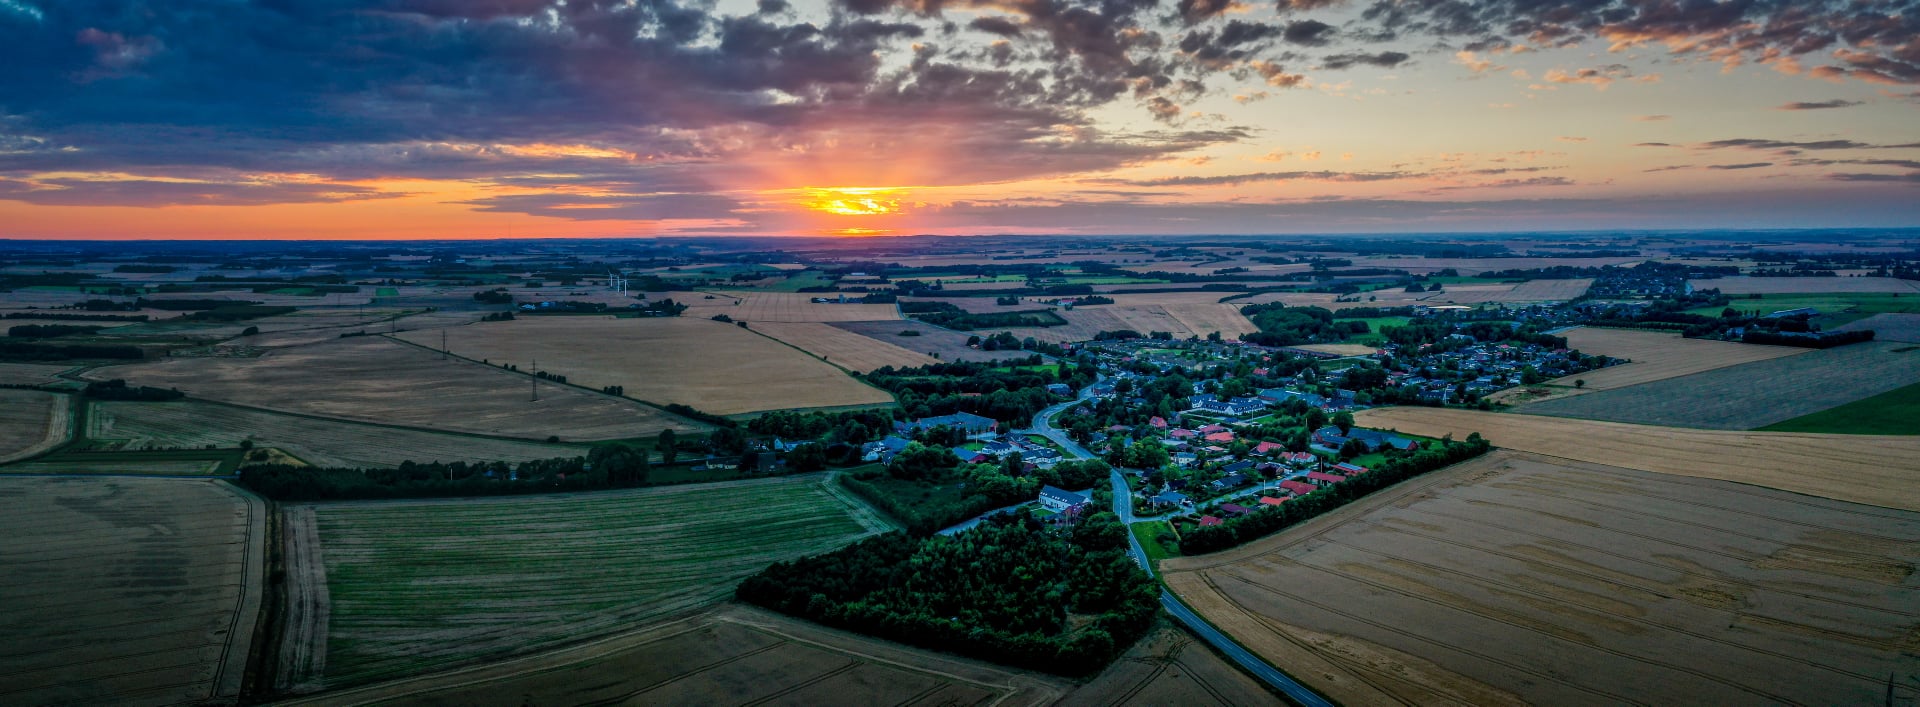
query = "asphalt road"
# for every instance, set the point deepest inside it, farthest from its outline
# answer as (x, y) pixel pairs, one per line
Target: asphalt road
(1123, 507)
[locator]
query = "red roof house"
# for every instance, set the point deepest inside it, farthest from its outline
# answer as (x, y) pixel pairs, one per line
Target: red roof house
(1299, 488)
(1183, 434)
(1220, 437)
(1321, 478)
(1267, 447)
(1349, 469)
(1234, 509)
(1210, 429)
(1158, 423)
(1271, 501)
(1210, 520)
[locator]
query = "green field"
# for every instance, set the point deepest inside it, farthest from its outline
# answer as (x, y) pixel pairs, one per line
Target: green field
(1835, 309)
(184, 462)
(1149, 533)
(387, 292)
(804, 278)
(1895, 412)
(423, 585)
(1053, 368)
(1374, 325)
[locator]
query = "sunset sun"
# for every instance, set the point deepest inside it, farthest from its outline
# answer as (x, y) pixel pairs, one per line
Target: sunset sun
(855, 201)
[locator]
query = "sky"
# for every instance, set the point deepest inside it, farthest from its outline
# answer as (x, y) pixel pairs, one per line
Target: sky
(397, 119)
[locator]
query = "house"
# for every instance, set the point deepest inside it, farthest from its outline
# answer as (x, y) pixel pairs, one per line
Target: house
(1236, 407)
(1060, 389)
(1060, 500)
(1299, 488)
(1266, 448)
(1349, 469)
(1168, 498)
(1185, 459)
(974, 426)
(884, 449)
(1234, 509)
(1158, 423)
(1332, 437)
(1230, 481)
(1239, 467)
(1102, 390)
(1301, 459)
(1220, 437)
(1276, 396)
(1271, 501)
(1210, 521)
(1183, 434)
(1211, 429)
(1323, 478)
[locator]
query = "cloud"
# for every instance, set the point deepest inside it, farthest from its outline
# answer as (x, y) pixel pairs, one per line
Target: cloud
(1474, 63)
(1384, 60)
(1312, 33)
(1761, 144)
(1571, 138)
(1908, 178)
(1654, 118)
(1819, 105)
(147, 192)
(1599, 77)
(1256, 177)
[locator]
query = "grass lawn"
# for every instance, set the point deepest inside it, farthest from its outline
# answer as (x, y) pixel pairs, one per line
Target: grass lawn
(804, 278)
(1895, 412)
(387, 292)
(1149, 535)
(1053, 368)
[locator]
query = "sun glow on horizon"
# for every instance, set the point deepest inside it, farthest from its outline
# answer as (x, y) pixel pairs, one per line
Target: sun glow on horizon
(855, 201)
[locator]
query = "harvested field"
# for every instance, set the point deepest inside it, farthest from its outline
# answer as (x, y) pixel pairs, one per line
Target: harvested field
(844, 348)
(29, 373)
(1180, 320)
(983, 305)
(419, 586)
(1805, 285)
(1889, 327)
(1170, 667)
(106, 466)
(1203, 319)
(1549, 290)
(1750, 395)
(1874, 470)
(191, 424)
(1522, 579)
(944, 344)
(1476, 266)
(127, 591)
(732, 654)
(32, 422)
(718, 368)
(748, 306)
(1656, 355)
(373, 379)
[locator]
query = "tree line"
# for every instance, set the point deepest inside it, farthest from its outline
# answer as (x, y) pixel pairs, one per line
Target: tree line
(1269, 520)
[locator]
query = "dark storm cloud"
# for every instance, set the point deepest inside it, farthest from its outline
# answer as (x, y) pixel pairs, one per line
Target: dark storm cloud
(1908, 178)
(1760, 144)
(1312, 33)
(620, 207)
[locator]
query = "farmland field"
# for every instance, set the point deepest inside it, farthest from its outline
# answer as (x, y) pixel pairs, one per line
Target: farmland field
(190, 424)
(844, 348)
(1895, 412)
(418, 586)
(1170, 667)
(1889, 327)
(945, 344)
(1749, 395)
(373, 379)
(718, 368)
(32, 422)
(1805, 285)
(30, 373)
(755, 306)
(732, 654)
(1522, 579)
(1873, 470)
(1656, 355)
(127, 591)
(1338, 349)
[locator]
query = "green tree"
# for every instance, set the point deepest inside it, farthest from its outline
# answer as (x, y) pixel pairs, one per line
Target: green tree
(667, 446)
(1344, 421)
(1316, 419)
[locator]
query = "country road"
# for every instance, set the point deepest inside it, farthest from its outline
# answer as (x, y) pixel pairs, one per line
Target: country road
(1123, 507)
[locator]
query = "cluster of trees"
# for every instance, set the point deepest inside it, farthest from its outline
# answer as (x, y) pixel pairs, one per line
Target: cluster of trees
(77, 317)
(1269, 520)
(184, 305)
(691, 413)
(29, 351)
(606, 466)
(118, 389)
(49, 331)
(952, 317)
(238, 312)
(494, 296)
(1011, 590)
(915, 486)
(854, 427)
(1281, 325)
(1012, 395)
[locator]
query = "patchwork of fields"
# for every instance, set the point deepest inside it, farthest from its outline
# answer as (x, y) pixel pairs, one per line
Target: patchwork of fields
(1871, 470)
(1522, 579)
(191, 424)
(1805, 285)
(127, 591)
(944, 344)
(1749, 395)
(373, 379)
(418, 586)
(718, 368)
(844, 348)
(32, 422)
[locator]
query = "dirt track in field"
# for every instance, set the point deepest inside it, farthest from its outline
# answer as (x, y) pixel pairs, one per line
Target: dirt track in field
(1867, 469)
(32, 422)
(1522, 579)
